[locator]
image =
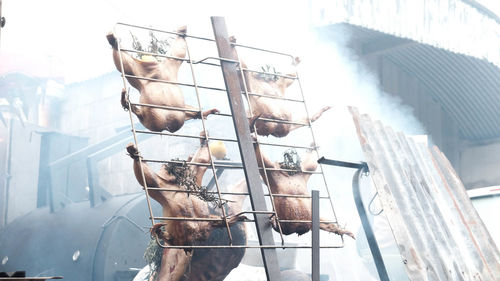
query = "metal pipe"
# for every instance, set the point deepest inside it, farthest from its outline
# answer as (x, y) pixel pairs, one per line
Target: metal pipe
(315, 269)
(370, 236)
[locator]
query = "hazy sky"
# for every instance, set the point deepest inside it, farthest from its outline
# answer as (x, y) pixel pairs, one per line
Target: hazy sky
(68, 37)
(72, 33)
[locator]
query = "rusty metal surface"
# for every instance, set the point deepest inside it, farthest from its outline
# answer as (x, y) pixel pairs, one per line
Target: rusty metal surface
(245, 143)
(439, 234)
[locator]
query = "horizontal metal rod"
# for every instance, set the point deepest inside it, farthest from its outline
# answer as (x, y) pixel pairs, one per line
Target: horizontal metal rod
(174, 83)
(290, 170)
(165, 107)
(247, 247)
(215, 58)
(281, 121)
(175, 108)
(304, 221)
(285, 145)
(163, 31)
(231, 193)
(338, 163)
(153, 54)
(222, 219)
(273, 97)
(187, 219)
(228, 166)
(183, 136)
(263, 50)
(269, 73)
(218, 139)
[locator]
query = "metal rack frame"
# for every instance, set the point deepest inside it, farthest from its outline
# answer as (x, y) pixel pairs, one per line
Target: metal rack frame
(229, 62)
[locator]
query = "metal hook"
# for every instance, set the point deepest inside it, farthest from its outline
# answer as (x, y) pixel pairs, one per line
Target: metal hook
(370, 206)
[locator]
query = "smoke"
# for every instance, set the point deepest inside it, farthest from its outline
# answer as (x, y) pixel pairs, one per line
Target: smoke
(329, 74)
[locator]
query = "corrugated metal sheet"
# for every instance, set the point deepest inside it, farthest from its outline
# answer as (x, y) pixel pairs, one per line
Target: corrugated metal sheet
(439, 234)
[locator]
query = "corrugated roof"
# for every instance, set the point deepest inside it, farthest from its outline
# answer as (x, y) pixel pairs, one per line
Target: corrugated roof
(467, 88)
(438, 232)
(455, 25)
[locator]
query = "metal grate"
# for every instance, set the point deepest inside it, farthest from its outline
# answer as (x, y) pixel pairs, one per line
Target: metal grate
(259, 212)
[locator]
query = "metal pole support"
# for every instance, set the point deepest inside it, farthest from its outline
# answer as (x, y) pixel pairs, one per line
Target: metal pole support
(370, 236)
(229, 67)
(315, 235)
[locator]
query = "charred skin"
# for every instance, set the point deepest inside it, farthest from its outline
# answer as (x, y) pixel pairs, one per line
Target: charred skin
(154, 92)
(273, 108)
(180, 264)
(290, 208)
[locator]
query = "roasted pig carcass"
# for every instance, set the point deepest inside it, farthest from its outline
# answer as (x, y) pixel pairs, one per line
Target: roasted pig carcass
(260, 85)
(291, 181)
(155, 92)
(178, 264)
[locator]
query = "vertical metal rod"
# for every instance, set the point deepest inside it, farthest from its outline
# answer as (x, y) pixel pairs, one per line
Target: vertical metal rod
(315, 148)
(370, 236)
(144, 184)
(248, 158)
(315, 235)
(215, 178)
(264, 169)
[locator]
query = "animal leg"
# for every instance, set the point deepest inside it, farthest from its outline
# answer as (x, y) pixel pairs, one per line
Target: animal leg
(305, 121)
(126, 105)
(334, 228)
(196, 115)
(174, 263)
(130, 65)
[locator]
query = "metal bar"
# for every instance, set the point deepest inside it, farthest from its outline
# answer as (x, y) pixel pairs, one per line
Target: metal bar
(274, 97)
(227, 166)
(212, 165)
(257, 199)
(231, 193)
(163, 31)
(283, 121)
(246, 247)
(183, 136)
(265, 175)
(175, 108)
(144, 184)
(315, 235)
(153, 54)
(260, 49)
(269, 73)
(316, 149)
(173, 83)
(219, 139)
(211, 184)
(370, 236)
(339, 163)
